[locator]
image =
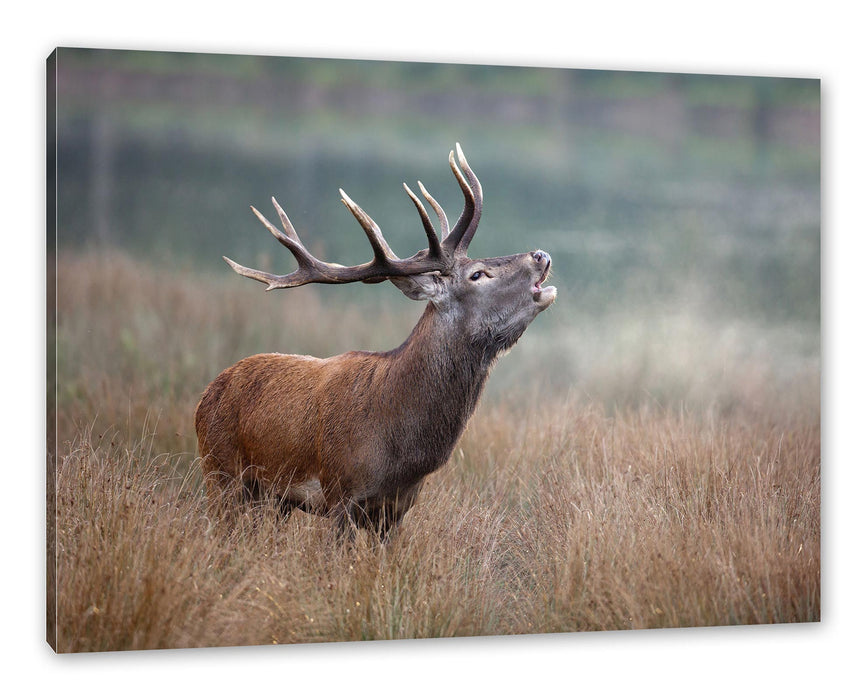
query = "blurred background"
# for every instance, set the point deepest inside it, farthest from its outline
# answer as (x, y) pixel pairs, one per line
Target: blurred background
(682, 212)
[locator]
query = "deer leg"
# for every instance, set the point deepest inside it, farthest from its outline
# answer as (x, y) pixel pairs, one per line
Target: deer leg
(384, 520)
(387, 516)
(251, 491)
(286, 505)
(345, 524)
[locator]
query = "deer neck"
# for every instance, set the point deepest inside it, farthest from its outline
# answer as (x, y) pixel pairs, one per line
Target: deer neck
(441, 374)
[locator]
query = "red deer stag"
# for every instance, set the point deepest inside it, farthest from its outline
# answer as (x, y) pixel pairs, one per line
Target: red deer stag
(354, 436)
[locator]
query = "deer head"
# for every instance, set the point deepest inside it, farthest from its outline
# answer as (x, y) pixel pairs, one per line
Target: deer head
(493, 299)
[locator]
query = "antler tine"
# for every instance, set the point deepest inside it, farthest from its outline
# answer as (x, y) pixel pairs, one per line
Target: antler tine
(381, 250)
(287, 240)
(440, 212)
(287, 225)
(435, 247)
(461, 235)
(273, 281)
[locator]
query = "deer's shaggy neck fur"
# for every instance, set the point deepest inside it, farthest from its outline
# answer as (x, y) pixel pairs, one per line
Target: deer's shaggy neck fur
(435, 377)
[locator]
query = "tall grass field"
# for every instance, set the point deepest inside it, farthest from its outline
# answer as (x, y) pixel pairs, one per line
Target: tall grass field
(642, 469)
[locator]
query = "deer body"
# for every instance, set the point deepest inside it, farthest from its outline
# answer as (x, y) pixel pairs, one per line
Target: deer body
(354, 436)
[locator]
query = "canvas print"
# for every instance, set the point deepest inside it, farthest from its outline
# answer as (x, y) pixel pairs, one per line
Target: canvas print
(357, 350)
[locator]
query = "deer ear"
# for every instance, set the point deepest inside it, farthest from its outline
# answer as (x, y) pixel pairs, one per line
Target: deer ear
(427, 287)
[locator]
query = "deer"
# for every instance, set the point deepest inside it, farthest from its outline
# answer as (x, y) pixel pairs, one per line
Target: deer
(353, 437)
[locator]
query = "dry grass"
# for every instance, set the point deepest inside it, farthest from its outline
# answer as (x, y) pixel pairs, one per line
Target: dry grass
(553, 515)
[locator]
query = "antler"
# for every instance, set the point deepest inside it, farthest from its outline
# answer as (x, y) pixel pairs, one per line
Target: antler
(456, 242)
(437, 257)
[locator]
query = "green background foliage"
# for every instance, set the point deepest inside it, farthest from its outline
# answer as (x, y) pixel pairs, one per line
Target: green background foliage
(672, 189)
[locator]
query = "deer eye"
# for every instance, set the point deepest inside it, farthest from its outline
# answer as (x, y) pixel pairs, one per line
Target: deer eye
(475, 276)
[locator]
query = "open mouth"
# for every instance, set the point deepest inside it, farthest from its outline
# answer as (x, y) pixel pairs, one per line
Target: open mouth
(543, 295)
(537, 286)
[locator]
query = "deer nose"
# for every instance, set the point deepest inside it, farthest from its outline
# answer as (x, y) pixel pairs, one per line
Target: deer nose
(541, 257)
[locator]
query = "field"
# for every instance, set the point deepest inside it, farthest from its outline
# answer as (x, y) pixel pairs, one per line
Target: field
(635, 469)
